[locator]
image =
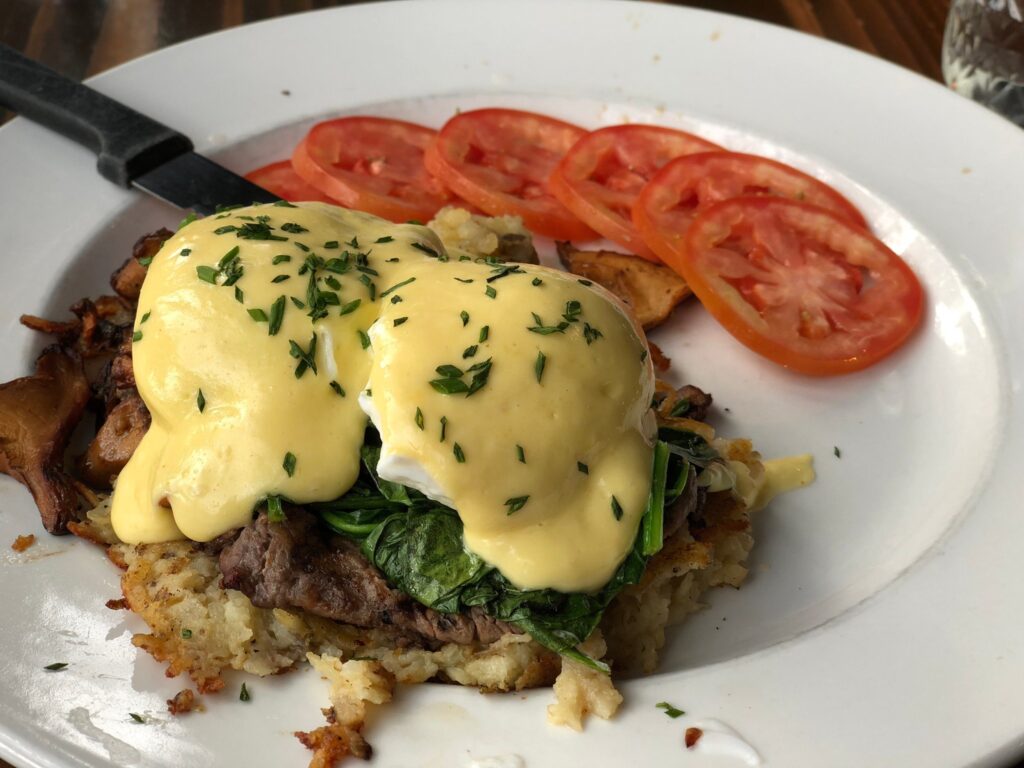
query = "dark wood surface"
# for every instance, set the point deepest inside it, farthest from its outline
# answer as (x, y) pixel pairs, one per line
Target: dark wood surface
(80, 38)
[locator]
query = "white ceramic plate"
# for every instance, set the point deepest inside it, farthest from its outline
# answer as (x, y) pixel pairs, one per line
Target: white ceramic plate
(882, 622)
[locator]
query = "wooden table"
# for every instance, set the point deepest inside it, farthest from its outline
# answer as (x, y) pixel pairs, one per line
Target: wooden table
(84, 37)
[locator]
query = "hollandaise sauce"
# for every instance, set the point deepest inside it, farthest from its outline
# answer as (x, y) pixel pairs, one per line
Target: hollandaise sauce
(268, 336)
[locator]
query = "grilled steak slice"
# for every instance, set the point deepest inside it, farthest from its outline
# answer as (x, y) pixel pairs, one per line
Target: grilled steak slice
(37, 416)
(299, 564)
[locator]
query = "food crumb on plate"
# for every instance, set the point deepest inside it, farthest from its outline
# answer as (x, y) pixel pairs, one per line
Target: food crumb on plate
(23, 542)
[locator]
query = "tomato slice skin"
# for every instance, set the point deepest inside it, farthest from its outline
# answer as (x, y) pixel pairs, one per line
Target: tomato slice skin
(686, 186)
(372, 164)
(281, 179)
(500, 160)
(602, 174)
(800, 285)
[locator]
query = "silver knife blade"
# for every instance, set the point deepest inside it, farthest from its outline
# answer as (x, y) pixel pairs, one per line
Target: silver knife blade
(192, 182)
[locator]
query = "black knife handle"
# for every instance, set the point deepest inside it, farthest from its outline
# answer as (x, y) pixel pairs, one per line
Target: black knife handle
(128, 144)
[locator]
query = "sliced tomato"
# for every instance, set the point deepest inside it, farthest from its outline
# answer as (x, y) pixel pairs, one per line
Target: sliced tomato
(682, 189)
(798, 284)
(500, 160)
(601, 175)
(372, 164)
(281, 179)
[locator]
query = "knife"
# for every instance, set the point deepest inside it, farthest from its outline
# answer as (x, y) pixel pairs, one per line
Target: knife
(134, 150)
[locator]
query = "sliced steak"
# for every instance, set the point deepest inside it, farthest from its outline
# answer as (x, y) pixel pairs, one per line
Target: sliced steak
(299, 564)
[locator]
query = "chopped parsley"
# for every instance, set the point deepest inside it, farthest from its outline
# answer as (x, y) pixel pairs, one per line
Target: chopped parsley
(349, 307)
(207, 274)
(186, 634)
(289, 463)
(419, 418)
(56, 666)
(444, 428)
(136, 718)
(137, 336)
(838, 453)
(538, 366)
(465, 317)
(280, 259)
(520, 454)
(201, 401)
(469, 351)
(616, 508)
(337, 388)
(516, 503)
(484, 333)
(582, 467)
(385, 239)
(293, 228)
(399, 321)
(460, 456)
(591, 334)
(364, 339)
(275, 512)
(670, 710)
(276, 315)
(244, 694)
(281, 278)
(306, 357)
(258, 315)
(396, 286)
(536, 281)
(491, 293)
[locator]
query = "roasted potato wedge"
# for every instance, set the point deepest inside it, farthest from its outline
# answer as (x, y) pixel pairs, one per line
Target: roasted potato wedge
(652, 291)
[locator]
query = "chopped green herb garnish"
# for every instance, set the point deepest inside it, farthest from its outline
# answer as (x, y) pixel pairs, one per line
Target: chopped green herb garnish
(136, 718)
(671, 711)
(207, 274)
(585, 282)
(186, 634)
(516, 503)
(396, 286)
(546, 330)
(275, 512)
(616, 508)
(396, 299)
(280, 259)
(281, 278)
(192, 216)
(137, 336)
(298, 304)
(450, 386)
(536, 281)
(427, 250)
(444, 428)
(419, 418)
(258, 315)
(364, 339)
(582, 467)
(145, 261)
(400, 321)
(330, 245)
(306, 357)
(681, 408)
(520, 454)
(201, 401)
(56, 666)
(276, 315)
(838, 453)
(643, 355)
(289, 463)
(244, 694)
(354, 242)
(145, 317)
(465, 317)
(538, 366)
(591, 334)
(469, 351)
(385, 239)
(185, 252)
(491, 293)
(337, 388)
(572, 311)
(349, 307)
(283, 204)
(460, 456)
(370, 286)
(484, 333)
(239, 295)
(293, 228)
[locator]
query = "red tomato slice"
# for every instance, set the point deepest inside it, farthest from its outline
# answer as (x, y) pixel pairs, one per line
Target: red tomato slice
(282, 180)
(601, 175)
(686, 186)
(500, 160)
(372, 164)
(798, 284)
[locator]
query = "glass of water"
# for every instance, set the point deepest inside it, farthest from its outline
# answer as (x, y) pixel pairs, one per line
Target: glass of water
(983, 54)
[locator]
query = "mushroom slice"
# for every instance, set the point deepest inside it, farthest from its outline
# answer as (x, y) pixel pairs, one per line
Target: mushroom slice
(37, 416)
(651, 290)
